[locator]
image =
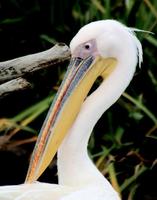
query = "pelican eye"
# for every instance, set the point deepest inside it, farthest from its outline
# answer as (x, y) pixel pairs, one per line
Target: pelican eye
(87, 46)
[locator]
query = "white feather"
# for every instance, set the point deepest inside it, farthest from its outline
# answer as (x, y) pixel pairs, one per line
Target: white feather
(78, 177)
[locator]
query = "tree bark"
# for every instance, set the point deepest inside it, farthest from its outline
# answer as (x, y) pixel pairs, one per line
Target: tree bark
(11, 70)
(13, 85)
(20, 66)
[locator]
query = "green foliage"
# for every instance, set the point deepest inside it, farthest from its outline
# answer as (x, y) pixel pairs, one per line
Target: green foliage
(124, 142)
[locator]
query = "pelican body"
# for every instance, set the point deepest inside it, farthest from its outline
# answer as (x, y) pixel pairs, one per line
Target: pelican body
(103, 48)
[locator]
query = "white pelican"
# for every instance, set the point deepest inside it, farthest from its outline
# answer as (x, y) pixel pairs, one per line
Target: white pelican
(103, 48)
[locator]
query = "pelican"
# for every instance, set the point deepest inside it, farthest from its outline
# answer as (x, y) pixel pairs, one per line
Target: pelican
(103, 48)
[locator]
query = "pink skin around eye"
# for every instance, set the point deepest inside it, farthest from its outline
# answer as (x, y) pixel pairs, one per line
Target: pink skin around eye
(83, 52)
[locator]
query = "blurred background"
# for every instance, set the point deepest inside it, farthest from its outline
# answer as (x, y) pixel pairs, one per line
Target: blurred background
(124, 141)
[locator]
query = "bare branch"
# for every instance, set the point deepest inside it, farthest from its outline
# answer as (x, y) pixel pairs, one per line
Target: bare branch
(13, 85)
(20, 66)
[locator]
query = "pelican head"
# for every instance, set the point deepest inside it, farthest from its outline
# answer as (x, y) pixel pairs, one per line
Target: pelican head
(105, 38)
(103, 48)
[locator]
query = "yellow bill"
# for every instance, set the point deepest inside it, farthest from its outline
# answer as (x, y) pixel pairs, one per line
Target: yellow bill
(80, 76)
